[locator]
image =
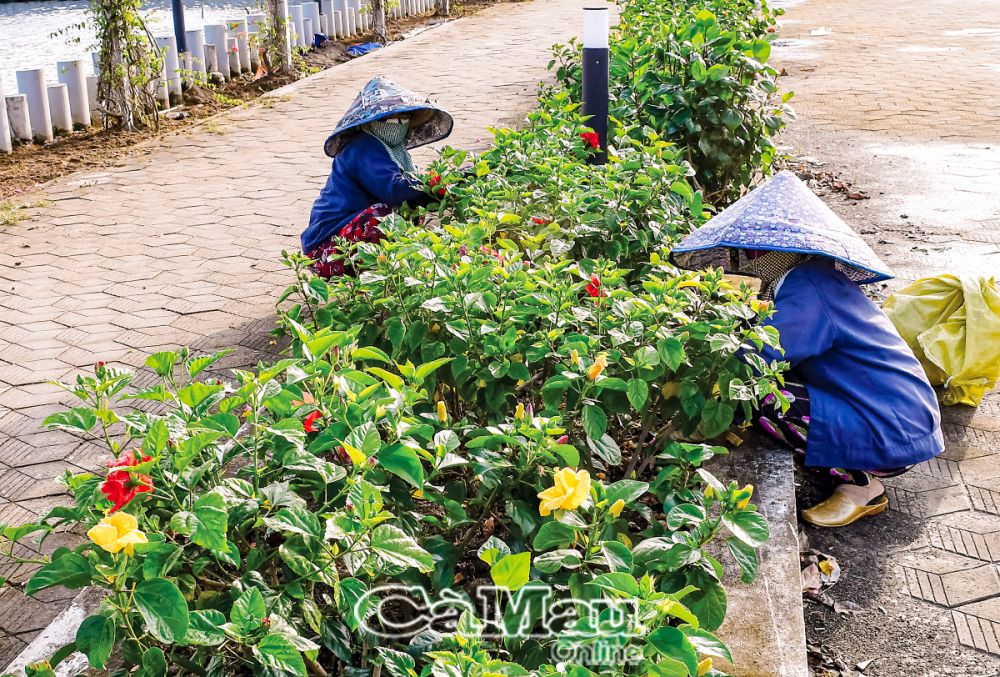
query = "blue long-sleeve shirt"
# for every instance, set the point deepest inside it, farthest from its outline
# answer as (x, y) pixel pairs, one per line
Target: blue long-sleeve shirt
(870, 404)
(363, 174)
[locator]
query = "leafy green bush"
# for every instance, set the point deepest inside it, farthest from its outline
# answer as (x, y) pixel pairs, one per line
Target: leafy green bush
(482, 456)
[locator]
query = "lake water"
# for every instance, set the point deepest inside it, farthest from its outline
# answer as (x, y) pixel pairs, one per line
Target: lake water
(27, 28)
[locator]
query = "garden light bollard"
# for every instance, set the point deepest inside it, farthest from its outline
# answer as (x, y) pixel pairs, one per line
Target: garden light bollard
(216, 35)
(196, 47)
(240, 29)
(31, 83)
(59, 110)
(171, 63)
(16, 106)
(180, 32)
(595, 76)
(73, 75)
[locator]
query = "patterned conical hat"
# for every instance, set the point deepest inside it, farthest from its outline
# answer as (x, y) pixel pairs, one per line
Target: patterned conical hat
(781, 215)
(381, 98)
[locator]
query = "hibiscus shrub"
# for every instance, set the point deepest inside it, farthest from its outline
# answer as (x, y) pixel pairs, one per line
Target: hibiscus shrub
(483, 454)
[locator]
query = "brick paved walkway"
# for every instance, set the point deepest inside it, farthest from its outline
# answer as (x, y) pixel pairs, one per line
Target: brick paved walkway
(899, 96)
(181, 245)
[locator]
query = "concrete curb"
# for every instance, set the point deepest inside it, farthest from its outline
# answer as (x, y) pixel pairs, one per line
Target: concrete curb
(60, 632)
(765, 627)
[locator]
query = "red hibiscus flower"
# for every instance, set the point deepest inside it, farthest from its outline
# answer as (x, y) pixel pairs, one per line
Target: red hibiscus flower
(121, 486)
(591, 139)
(309, 423)
(539, 221)
(594, 287)
(436, 181)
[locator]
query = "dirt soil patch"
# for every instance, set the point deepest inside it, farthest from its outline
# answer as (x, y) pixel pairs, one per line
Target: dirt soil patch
(31, 164)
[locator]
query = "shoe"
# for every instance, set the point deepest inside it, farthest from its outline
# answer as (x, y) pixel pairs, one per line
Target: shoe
(839, 511)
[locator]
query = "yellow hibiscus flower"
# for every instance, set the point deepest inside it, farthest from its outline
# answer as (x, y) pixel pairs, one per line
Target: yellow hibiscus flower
(117, 532)
(616, 508)
(571, 489)
(598, 367)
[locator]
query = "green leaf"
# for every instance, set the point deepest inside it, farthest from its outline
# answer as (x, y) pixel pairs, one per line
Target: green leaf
(208, 523)
(164, 609)
(396, 663)
(749, 527)
(163, 362)
(512, 572)
(671, 352)
(404, 462)
(673, 644)
(154, 662)
(716, 418)
(606, 448)
(198, 364)
(156, 438)
(71, 571)
(618, 582)
(595, 421)
(205, 628)
(248, 611)
(746, 557)
(706, 643)
(638, 392)
(553, 534)
(278, 653)
(394, 546)
(95, 638)
(296, 520)
(625, 490)
(78, 419)
(617, 555)
(371, 353)
(354, 602)
(685, 514)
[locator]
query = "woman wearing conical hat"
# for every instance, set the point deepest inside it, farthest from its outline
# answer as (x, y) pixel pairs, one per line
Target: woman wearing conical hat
(861, 404)
(372, 169)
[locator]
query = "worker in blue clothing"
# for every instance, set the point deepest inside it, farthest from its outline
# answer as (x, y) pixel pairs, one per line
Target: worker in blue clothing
(372, 172)
(861, 404)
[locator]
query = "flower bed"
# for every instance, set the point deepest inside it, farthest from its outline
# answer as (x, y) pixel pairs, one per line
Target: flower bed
(483, 455)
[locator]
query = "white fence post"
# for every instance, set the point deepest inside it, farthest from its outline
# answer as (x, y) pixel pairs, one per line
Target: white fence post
(73, 75)
(239, 29)
(254, 22)
(307, 30)
(211, 59)
(298, 24)
(96, 115)
(216, 35)
(59, 110)
(32, 84)
(17, 115)
(6, 145)
(172, 63)
(311, 10)
(196, 48)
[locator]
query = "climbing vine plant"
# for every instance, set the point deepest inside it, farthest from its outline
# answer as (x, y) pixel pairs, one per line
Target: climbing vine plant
(129, 63)
(272, 38)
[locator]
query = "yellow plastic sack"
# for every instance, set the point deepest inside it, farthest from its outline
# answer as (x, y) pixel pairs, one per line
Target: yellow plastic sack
(953, 326)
